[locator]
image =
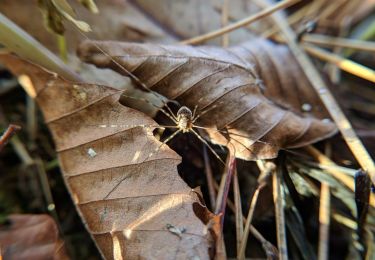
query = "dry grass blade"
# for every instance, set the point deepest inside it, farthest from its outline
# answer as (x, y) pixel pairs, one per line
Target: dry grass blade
(324, 220)
(278, 199)
(335, 171)
(328, 99)
(344, 64)
(330, 41)
(239, 24)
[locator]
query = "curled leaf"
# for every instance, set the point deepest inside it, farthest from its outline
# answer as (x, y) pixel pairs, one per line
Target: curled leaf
(227, 87)
(128, 200)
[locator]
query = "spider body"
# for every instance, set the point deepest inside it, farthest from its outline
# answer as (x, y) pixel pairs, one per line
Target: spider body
(185, 119)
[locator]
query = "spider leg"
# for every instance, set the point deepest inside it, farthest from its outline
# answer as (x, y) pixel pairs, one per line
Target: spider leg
(134, 126)
(163, 143)
(244, 136)
(231, 133)
(209, 147)
(152, 104)
(171, 112)
(195, 110)
(203, 112)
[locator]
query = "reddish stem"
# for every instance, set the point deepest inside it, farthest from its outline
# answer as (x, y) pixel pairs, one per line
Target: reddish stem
(11, 130)
(228, 179)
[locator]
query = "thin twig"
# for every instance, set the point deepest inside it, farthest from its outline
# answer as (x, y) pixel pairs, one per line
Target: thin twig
(331, 41)
(46, 188)
(241, 23)
(254, 200)
(209, 177)
(222, 197)
(324, 220)
(19, 148)
(266, 170)
(221, 201)
(327, 98)
(278, 199)
(334, 72)
(344, 64)
(238, 213)
(331, 9)
(224, 22)
(5, 137)
(265, 243)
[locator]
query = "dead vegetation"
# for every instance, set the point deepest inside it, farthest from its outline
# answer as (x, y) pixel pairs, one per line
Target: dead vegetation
(256, 100)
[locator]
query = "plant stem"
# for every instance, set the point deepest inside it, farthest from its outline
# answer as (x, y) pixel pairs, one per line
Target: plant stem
(9, 132)
(324, 221)
(278, 199)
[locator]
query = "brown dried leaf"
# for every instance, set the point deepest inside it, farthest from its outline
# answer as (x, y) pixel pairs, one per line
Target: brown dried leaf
(189, 18)
(31, 237)
(225, 82)
(286, 84)
(128, 201)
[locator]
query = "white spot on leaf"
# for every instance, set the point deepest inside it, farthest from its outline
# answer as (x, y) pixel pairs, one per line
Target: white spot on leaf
(91, 152)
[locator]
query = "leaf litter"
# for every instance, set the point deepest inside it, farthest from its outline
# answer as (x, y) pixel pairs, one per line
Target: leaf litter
(84, 105)
(100, 188)
(305, 105)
